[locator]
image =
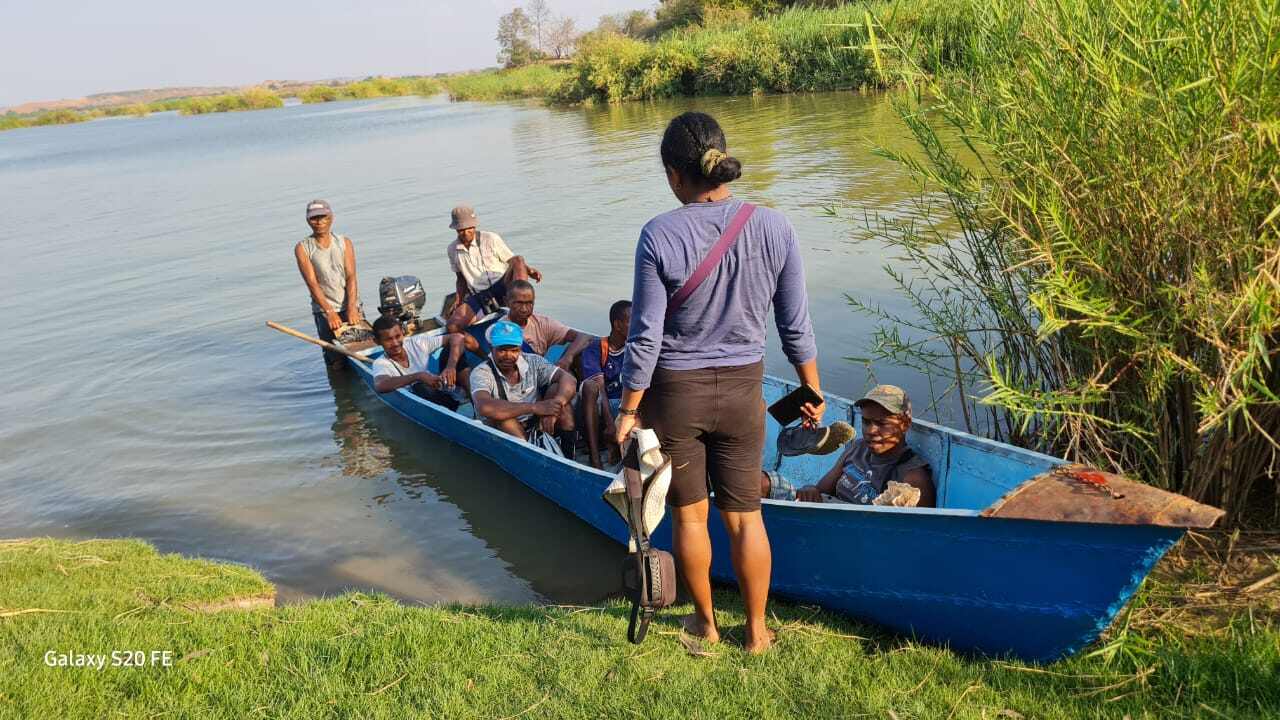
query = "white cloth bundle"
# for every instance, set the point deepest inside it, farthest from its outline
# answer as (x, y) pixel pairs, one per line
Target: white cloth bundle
(897, 494)
(655, 477)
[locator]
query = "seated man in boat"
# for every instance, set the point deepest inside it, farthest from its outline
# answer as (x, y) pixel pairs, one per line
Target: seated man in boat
(483, 268)
(600, 394)
(404, 362)
(871, 462)
(542, 333)
(516, 391)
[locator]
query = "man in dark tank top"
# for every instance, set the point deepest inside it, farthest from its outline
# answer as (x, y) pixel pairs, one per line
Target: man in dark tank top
(876, 458)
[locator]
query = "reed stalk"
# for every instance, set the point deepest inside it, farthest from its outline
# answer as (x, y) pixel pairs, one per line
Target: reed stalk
(1112, 294)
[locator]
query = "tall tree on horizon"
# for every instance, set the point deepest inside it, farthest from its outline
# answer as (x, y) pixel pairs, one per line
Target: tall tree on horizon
(563, 35)
(514, 30)
(539, 12)
(636, 23)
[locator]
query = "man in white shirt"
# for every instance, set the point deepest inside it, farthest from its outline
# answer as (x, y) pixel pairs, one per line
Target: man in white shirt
(405, 361)
(483, 266)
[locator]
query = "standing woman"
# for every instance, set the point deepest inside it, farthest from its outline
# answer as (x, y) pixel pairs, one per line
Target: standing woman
(706, 275)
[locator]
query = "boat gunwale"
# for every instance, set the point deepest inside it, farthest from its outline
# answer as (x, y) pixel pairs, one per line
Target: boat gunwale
(983, 444)
(1141, 546)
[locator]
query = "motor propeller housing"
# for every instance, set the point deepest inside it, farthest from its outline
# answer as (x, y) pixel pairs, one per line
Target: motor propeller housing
(402, 298)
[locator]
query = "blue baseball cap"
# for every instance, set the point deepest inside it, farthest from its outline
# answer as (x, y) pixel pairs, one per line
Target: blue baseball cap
(505, 333)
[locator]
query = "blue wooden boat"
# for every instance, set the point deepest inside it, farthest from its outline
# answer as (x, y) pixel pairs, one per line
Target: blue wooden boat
(1035, 589)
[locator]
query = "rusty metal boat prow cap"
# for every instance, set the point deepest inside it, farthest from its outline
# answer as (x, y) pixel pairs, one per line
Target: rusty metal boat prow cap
(1085, 495)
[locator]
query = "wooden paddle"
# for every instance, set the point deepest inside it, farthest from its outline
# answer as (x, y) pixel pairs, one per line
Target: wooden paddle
(317, 341)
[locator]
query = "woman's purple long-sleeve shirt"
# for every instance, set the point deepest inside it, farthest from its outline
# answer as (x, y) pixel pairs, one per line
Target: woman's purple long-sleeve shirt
(723, 323)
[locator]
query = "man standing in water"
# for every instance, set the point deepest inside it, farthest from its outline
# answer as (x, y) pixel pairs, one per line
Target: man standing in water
(328, 266)
(483, 268)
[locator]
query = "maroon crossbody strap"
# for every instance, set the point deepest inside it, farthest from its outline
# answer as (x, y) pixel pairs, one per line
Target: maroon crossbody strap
(713, 258)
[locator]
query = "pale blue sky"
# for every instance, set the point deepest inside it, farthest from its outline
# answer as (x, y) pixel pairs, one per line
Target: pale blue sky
(52, 49)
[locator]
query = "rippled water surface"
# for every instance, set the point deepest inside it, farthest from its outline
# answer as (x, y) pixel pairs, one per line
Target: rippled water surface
(142, 256)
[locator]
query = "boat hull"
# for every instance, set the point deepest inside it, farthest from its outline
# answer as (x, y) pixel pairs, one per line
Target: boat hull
(1029, 589)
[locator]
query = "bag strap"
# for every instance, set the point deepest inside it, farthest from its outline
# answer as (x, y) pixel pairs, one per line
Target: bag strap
(400, 372)
(635, 499)
(497, 379)
(905, 457)
(641, 612)
(638, 626)
(713, 258)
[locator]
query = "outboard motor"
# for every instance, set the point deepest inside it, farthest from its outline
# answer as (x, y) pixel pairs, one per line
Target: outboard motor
(403, 299)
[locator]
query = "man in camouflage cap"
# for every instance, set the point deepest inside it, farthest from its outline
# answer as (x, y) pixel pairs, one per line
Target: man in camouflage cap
(879, 456)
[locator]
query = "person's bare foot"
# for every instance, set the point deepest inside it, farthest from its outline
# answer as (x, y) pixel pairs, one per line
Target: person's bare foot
(757, 645)
(700, 628)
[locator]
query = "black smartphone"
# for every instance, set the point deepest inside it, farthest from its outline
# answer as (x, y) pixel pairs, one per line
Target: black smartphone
(787, 410)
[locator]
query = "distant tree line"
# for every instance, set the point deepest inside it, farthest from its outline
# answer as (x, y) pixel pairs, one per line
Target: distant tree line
(672, 14)
(534, 32)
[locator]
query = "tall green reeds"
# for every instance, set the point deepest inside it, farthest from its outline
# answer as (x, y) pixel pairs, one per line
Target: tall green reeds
(251, 99)
(800, 50)
(523, 82)
(1113, 292)
(132, 110)
(61, 116)
(372, 88)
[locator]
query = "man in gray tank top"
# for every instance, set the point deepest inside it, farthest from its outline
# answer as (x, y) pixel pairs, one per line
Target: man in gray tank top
(878, 457)
(327, 262)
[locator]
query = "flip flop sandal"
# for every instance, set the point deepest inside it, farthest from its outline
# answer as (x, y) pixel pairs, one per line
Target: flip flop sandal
(800, 440)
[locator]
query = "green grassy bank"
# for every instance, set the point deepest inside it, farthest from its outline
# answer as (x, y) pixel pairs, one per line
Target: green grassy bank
(69, 117)
(250, 99)
(799, 50)
(524, 82)
(368, 656)
(373, 88)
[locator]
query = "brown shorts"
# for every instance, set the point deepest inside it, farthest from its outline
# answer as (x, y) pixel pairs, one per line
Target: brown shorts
(711, 422)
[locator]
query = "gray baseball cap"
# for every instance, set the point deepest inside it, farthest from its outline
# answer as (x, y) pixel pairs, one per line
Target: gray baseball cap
(317, 208)
(463, 216)
(890, 397)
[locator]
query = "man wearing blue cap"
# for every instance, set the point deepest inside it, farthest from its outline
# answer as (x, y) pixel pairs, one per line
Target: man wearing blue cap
(514, 389)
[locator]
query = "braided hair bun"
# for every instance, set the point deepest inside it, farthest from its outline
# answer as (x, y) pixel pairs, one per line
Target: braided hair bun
(694, 144)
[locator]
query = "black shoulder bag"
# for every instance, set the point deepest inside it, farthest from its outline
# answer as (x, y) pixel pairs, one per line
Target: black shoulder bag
(648, 575)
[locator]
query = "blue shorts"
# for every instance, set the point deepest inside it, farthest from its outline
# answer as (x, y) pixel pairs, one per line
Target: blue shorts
(615, 404)
(478, 301)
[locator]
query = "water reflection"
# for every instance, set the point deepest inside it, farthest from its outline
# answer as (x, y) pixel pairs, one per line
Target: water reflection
(187, 424)
(563, 559)
(824, 140)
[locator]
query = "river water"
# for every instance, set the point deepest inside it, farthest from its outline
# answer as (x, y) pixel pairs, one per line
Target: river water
(144, 255)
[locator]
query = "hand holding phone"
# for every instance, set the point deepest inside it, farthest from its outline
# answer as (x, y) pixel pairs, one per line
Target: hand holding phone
(790, 408)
